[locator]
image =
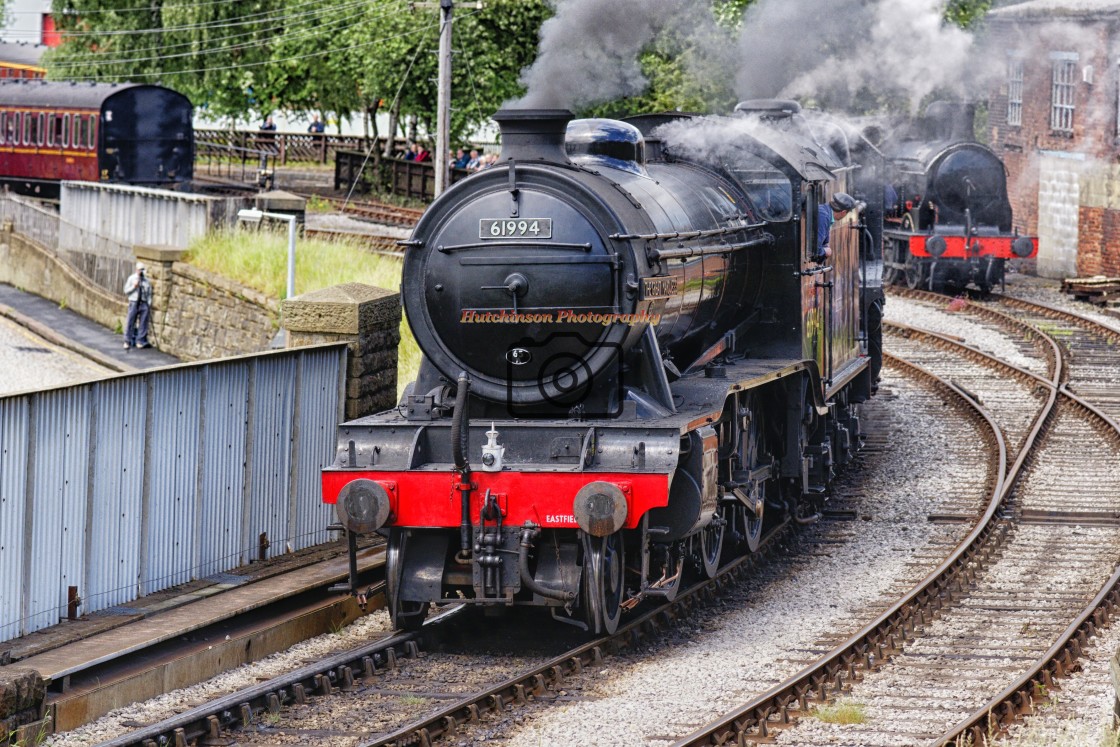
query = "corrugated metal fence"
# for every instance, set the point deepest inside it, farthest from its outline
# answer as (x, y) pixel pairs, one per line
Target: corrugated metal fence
(136, 483)
(101, 223)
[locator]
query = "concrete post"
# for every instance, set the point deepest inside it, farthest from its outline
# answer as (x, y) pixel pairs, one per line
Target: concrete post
(369, 320)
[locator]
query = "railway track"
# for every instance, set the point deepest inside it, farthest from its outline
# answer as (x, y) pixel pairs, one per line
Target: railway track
(1025, 542)
(360, 672)
(376, 212)
(1055, 525)
(377, 244)
(468, 713)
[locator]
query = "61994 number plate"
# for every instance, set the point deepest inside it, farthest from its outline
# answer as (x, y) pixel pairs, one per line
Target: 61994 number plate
(515, 228)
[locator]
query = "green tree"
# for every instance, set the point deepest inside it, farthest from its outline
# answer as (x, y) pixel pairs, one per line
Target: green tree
(217, 53)
(243, 58)
(396, 63)
(966, 13)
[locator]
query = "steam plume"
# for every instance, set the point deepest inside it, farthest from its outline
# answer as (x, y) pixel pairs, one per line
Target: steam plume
(843, 54)
(589, 50)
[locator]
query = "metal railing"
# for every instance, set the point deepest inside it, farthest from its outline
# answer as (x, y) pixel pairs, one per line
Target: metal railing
(361, 173)
(121, 487)
(288, 147)
(30, 219)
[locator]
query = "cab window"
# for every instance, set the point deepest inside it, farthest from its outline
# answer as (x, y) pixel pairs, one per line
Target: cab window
(768, 189)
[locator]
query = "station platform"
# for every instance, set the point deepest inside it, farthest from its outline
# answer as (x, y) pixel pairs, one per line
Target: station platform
(188, 634)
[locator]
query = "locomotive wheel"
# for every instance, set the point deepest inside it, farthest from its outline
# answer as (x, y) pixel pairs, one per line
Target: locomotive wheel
(755, 456)
(913, 273)
(404, 615)
(753, 520)
(711, 545)
(604, 577)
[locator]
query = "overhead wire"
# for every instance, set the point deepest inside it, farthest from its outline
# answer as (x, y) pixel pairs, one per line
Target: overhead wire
(249, 36)
(247, 65)
(285, 14)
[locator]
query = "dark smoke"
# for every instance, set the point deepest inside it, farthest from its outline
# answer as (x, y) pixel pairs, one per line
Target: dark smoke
(589, 50)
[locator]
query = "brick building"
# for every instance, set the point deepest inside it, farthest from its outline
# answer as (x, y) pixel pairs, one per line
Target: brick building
(1053, 118)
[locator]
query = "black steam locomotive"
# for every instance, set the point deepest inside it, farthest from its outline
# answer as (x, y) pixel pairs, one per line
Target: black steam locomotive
(639, 349)
(948, 220)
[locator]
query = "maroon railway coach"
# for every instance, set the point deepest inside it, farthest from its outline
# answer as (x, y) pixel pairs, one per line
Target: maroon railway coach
(122, 133)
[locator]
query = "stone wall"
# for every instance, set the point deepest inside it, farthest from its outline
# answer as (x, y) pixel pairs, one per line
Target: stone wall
(198, 315)
(29, 266)
(367, 318)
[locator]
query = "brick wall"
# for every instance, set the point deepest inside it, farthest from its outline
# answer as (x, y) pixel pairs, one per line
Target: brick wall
(1054, 196)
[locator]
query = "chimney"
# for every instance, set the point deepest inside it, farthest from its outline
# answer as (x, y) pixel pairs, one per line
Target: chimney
(533, 134)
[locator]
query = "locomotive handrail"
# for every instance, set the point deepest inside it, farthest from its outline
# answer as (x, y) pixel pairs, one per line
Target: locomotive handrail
(447, 249)
(686, 234)
(703, 251)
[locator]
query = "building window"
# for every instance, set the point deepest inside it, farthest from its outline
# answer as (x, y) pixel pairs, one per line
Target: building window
(1062, 92)
(1015, 92)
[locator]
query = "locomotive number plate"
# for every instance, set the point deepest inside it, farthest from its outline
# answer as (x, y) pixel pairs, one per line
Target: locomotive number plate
(515, 228)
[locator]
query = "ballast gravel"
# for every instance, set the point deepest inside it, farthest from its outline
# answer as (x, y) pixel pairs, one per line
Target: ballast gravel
(837, 576)
(123, 720)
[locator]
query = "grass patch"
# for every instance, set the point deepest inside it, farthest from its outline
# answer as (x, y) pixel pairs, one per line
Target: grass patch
(260, 261)
(842, 712)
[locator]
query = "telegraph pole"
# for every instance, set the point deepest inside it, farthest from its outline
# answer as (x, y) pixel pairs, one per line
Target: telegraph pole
(443, 98)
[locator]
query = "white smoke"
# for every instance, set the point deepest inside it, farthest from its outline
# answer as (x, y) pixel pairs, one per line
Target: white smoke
(844, 54)
(589, 50)
(851, 52)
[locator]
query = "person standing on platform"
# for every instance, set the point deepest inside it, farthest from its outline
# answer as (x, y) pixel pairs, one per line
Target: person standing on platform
(138, 289)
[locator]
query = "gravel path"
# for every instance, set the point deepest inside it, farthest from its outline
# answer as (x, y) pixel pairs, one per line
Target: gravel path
(29, 362)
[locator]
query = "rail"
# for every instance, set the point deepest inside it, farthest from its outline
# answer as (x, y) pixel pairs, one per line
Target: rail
(881, 638)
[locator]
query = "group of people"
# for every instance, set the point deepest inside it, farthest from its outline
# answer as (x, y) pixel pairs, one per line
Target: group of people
(473, 161)
(416, 152)
(315, 128)
(460, 159)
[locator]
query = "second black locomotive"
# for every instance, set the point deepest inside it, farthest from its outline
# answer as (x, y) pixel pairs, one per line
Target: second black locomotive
(948, 221)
